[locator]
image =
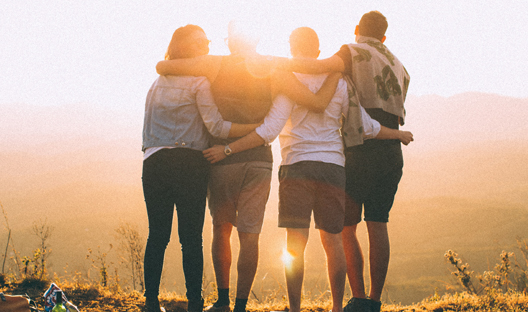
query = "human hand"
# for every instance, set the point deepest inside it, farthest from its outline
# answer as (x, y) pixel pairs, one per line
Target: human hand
(405, 137)
(214, 154)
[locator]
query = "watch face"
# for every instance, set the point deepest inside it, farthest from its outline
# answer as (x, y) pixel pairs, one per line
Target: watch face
(227, 150)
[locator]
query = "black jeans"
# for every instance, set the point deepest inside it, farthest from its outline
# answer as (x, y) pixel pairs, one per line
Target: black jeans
(178, 177)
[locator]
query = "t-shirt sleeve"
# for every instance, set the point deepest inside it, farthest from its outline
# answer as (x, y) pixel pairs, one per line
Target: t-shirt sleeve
(275, 119)
(346, 56)
(371, 127)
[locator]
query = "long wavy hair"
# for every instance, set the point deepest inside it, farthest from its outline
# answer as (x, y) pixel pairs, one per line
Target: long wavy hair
(178, 47)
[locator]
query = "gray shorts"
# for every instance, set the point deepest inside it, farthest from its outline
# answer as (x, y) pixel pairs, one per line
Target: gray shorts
(308, 186)
(238, 194)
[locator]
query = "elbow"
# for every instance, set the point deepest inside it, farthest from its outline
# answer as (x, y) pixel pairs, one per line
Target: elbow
(159, 69)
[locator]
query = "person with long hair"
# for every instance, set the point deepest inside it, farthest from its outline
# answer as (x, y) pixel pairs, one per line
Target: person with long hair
(180, 117)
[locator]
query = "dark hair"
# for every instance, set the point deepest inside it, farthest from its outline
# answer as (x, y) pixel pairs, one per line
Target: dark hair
(177, 46)
(304, 40)
(373, 24)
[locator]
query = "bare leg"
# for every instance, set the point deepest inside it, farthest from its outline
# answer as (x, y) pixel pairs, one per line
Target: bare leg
(221, 253)
(296, 243)
(379, 255)
(247, 263)
(355, 262)
(336, 263)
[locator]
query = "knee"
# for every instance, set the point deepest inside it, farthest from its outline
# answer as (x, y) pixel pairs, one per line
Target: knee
(248, 241)
(349, 233)
(191, 242)
(331, 240)
(158, 237)
(223, 231)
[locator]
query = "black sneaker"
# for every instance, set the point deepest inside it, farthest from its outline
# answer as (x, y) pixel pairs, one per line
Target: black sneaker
(375, 306)
(214, 308)
(218, 308)
(153, 305)
(358, 305)
(195, 305)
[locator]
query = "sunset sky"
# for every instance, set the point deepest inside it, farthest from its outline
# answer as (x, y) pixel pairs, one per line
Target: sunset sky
(75, 76)
(103, 53)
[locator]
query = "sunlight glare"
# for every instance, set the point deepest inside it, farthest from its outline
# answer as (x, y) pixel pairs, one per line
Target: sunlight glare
(287, 258)
(272, 34)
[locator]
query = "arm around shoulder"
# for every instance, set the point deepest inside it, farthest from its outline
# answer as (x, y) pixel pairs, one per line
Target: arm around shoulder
(286, 83)
(205, 65)
(311, 65)
(218, 152)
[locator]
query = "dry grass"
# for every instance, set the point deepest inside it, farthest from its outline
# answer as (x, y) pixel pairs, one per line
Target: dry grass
(92, 298)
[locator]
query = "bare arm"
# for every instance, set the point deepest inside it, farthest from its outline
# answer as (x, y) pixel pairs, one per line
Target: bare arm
(213, 120)
(205, 65)
(216, 153)
(238, 130)
(385, 133)
(310, 65)
(371, 126)
(267, 132)
(286, 83)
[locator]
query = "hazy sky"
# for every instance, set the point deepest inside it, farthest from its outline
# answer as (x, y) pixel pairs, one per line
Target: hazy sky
(103, 52)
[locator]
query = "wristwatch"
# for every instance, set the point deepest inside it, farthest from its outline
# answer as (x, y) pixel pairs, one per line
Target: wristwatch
(227, 150)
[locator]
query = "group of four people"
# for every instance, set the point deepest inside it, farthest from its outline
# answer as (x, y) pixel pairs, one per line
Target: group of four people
(332, 166)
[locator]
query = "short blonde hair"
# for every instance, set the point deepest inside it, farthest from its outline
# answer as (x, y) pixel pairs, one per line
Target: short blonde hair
(304, 40)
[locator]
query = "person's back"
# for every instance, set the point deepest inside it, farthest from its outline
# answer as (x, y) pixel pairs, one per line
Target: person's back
(311, 136)
(172, 116)
(240, 184)
(312, 177)
(374, 169)
(373, 61)
(380, 78)
(242, 98)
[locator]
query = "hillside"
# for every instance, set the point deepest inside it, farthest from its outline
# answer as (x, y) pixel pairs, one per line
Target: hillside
(465, 187)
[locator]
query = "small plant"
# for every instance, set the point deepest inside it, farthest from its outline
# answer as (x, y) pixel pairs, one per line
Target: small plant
(133, 249)
(99, 262)
(16, 255)
(43, 231)
(508, 275)
(504, 269)
(521, 277)
(462, 273)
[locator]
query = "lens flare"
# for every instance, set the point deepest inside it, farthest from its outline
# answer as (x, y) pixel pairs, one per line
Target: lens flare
(287, 258)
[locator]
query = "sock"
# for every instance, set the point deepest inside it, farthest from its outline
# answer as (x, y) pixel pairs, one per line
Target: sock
(240, 305)
(223, 297)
